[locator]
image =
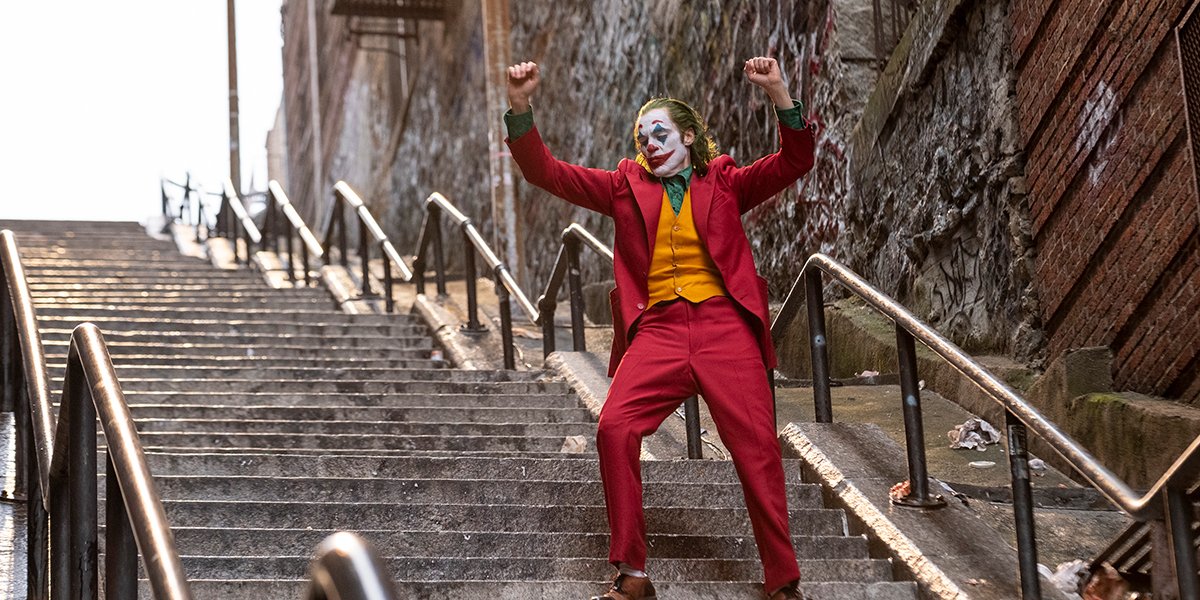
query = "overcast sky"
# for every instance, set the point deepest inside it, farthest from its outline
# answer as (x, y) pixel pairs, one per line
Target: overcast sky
(101, 98)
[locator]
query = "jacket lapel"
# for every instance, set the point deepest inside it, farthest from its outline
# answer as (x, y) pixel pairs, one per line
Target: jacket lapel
(648, 193)
(701, 197)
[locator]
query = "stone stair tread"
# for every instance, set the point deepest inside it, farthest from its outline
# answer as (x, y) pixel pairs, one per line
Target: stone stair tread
(352, 427)
(465, 490)
(214, 541)
(433, 569)
(359, 399)
(444, 516)
(143, 413)
(343, 386)
(351, 442)
(319, 373)
(363, 452)
(557, 467)
(540, 589)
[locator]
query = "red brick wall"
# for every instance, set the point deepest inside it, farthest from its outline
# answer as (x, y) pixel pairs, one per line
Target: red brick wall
(1111, 196)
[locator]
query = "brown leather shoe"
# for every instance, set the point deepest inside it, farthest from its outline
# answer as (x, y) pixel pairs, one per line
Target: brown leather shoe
(628, 587)
(790, 591)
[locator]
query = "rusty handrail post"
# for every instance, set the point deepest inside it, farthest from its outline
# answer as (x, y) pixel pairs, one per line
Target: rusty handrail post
(818, 346)
(506, 330)
(388, 284)
(439, 258)
(473, 325)
(691, 420)
(575, 288)
(914, 429)
(364, 258)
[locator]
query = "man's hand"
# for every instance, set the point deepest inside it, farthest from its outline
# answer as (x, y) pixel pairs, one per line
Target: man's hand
(523, 80)
(764, 72)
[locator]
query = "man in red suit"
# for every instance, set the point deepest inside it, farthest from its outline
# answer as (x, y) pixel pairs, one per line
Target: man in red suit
(689, 310)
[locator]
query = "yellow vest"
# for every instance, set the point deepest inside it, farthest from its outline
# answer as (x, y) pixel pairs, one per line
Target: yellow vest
(681, 266)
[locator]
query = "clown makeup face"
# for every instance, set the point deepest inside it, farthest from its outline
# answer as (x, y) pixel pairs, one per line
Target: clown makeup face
(661, 143)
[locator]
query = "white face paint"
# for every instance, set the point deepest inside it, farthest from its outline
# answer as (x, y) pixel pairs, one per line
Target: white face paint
(661, 143)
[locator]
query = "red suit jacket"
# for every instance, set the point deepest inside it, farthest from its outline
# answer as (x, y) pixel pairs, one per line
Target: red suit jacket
(633, 198)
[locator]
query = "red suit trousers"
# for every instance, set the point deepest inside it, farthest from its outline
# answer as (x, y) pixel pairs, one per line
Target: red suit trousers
(680, 349)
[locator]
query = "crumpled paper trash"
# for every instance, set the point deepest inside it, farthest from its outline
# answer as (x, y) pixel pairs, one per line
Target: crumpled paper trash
(974, 433)
(574, 444)
(1068, 578)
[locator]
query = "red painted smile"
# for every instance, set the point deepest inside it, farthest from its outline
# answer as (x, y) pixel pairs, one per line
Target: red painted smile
(659, 160)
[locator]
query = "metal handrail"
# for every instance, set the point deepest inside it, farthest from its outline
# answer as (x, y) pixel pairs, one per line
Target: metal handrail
(566, 266)
(239, 226)
(347, 568)
(1166, 499)
(506, 285)
(62, 513)
(277, 203)
(344, 194)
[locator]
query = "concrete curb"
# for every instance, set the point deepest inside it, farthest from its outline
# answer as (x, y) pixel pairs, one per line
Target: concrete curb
(950, 552)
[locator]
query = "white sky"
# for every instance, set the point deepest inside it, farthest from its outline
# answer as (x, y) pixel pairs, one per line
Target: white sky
(98, 99)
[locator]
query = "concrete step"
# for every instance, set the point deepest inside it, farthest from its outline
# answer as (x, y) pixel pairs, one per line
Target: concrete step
(546, 518)
(181, 289)
(540, 589)
(117, 348)
(202, 541)
(301, 374)
(559, 468)
(68, 273)
(140, 306)
(350, 442)
(465, 414)
(455, 491)
(359, 428)
(315, 453)
(253, 339)
(178, 288)
(529, 568)
(264, 313)
(410, 386)
(480, 401)
(165, 260)
(401, 326)
(146, 360)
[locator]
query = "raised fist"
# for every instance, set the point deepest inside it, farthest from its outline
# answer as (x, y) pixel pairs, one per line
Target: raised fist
(523, 80)
(763, 72)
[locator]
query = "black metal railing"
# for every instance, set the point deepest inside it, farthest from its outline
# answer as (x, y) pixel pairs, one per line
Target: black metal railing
(1166, 500)
(347, 568)
(507, 289)
(566, 267)
(279, 210)
(197, 219)
(234, 223)
(368, 231)
(56, 463)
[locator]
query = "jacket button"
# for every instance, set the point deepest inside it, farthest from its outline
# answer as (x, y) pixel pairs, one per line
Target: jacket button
(641, 306)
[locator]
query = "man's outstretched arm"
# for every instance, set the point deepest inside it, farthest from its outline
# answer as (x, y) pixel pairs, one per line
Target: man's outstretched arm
(771, 174)
(590, 188)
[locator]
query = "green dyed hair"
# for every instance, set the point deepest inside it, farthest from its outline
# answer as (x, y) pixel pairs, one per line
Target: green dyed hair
(703, 148)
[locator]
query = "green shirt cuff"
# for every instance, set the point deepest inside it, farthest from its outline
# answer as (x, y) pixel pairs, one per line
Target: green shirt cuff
(792, 118)
(518, 125)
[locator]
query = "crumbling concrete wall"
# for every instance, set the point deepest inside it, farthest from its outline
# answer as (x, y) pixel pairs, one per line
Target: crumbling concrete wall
(939, 216)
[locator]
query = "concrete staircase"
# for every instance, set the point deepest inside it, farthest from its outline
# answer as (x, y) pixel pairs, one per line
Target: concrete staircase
(270, 421)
